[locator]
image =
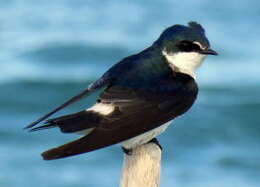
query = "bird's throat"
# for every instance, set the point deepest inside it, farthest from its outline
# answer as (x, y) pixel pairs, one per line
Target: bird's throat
(184, 62)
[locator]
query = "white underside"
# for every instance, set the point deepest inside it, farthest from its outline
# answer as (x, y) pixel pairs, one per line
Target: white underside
(138, 140)
(144, 138)
(184, 62)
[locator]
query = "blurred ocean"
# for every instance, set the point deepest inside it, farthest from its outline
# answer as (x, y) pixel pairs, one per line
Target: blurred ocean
(50, 50)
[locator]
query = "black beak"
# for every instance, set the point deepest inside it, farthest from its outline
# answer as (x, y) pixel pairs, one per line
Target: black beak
(208, 52)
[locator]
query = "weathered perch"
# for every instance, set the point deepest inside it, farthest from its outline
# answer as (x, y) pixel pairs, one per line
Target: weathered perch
(142, 167)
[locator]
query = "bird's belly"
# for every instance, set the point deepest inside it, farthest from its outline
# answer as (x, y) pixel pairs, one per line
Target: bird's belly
(144, 138)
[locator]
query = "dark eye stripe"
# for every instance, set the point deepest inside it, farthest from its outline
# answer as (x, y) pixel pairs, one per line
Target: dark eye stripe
(188, 46)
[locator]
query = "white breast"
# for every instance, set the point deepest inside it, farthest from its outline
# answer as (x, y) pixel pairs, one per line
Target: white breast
(144, 138)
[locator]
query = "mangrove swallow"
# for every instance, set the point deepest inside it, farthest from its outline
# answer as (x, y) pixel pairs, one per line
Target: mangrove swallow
(142, 94)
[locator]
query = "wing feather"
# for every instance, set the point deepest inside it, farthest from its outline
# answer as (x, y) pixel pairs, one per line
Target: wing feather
(94, 86)
(134, 114)
(136, 111)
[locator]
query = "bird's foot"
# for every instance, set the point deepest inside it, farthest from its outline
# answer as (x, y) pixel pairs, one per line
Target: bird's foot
(154, 140)
(127, 151)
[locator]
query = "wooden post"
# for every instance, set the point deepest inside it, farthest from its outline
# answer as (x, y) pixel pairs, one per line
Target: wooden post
(142, 167)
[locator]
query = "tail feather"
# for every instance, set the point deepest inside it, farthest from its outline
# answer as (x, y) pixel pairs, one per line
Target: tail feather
(73, 122)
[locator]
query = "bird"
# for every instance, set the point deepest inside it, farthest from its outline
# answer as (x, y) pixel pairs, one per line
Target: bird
(141, 95)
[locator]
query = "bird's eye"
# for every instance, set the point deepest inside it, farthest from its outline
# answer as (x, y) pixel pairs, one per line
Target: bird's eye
(187, 46)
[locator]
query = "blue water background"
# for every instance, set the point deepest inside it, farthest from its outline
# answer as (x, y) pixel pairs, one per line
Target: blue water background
(50, 50)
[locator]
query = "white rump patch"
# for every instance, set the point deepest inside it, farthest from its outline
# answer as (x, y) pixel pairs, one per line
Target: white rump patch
(184, 62)
(102, 108)
(144, 138)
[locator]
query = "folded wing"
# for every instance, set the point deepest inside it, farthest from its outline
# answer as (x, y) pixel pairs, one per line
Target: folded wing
(135, 112)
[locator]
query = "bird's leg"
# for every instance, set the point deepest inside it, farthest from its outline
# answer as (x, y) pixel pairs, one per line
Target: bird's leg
(154, 140)
(127, 151)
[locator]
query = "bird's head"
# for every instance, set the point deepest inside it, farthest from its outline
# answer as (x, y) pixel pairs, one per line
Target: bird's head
(185, 47)
(180, 38)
